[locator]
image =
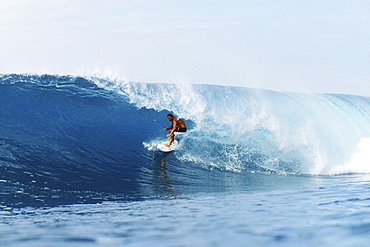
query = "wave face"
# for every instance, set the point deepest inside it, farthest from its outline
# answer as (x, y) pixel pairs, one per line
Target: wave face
(93, 134)
(244, 129)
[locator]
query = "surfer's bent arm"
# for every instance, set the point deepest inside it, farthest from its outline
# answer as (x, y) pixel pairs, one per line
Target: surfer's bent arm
(174, 124)
(169, 128)
(172, 128)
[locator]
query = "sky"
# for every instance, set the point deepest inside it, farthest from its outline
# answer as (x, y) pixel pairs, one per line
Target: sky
(311, 46)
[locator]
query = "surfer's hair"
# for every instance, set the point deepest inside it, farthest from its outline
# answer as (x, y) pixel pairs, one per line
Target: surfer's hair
(169, 115)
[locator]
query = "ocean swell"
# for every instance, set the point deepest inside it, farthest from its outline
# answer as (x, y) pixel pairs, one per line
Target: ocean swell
(95, 134)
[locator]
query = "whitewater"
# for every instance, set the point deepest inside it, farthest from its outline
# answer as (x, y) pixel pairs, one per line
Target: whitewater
(79, 165)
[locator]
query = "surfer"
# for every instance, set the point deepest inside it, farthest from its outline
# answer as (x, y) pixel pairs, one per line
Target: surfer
(178, 127)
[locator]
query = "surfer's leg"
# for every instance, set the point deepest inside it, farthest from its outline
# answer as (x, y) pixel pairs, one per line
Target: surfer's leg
(172, 138)
(178, 135)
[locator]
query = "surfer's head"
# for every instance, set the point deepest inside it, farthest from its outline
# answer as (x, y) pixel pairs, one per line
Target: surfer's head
(170, 117)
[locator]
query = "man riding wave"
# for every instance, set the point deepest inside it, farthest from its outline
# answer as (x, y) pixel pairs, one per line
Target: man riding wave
(178, 127)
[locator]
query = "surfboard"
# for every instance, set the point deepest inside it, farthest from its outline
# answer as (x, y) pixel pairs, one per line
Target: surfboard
(166, 149)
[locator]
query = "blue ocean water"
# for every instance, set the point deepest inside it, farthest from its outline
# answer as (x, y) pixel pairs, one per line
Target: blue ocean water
(79, 165)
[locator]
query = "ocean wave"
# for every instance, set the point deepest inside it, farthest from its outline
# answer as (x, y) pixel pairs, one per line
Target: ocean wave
(99, 134)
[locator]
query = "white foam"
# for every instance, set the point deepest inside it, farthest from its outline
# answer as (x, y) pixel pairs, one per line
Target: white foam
(319, 131)
(359, 161)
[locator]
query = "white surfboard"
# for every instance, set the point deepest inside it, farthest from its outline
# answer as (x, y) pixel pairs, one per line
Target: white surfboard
(166, 149)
